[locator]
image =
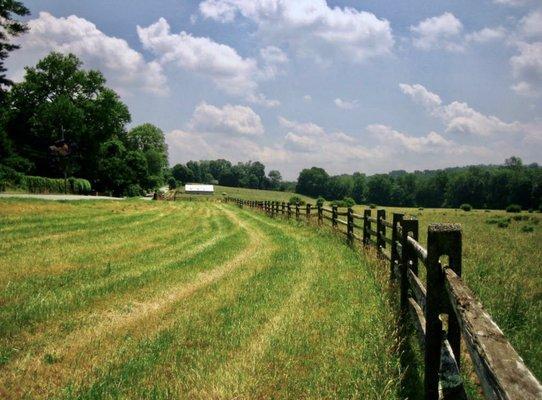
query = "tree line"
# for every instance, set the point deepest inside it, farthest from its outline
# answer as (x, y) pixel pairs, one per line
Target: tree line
(249, 174)
(482, 186)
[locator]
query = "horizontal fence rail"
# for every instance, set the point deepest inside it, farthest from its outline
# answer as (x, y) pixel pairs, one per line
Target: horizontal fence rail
(500, 370)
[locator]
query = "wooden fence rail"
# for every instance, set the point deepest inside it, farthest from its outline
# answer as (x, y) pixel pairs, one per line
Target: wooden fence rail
(500, 370)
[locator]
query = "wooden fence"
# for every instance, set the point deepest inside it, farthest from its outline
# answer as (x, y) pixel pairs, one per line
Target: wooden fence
(426, 302)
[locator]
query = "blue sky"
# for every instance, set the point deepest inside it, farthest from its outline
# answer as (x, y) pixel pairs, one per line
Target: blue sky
(366, 86)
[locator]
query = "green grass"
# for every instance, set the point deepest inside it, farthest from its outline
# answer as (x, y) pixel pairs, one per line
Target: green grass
(138, 299)
(501, 264)
(248, 194)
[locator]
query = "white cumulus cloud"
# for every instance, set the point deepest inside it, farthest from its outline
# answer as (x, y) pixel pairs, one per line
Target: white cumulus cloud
(440, 32)
(235, 119)
(310, 26)
(125, 69)
(345, 104)
(527, 68)
(220, 63)
(458, 116)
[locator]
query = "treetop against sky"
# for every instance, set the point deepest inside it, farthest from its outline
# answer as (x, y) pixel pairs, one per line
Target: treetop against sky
(348, 85)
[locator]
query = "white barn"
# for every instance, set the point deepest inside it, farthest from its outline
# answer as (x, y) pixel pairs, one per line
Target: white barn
(197, 188)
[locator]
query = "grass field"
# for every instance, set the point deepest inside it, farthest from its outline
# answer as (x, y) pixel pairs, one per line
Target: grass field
(135, 299)
(252, 194)
(503, 266)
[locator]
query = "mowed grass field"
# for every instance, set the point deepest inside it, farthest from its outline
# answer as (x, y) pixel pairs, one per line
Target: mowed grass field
(249, 194)
(502, 265)
(198, 300)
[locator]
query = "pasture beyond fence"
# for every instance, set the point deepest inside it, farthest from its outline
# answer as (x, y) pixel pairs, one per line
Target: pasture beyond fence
(442, 309)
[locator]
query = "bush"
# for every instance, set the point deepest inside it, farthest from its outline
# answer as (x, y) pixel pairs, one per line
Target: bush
(527, 228)
(172, 183)
(9, 178)
(134, 190)
(296, 200)
(349, 202)
(503, 224)
(372, 205)
(320, 201)
(466, 207)
(513, 208)
(497, 220)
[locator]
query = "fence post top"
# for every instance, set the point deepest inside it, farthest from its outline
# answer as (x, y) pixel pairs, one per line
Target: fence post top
(437, 228)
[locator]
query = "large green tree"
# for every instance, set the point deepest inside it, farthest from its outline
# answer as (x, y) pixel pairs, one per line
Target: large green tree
(9, 28)
(57, 100)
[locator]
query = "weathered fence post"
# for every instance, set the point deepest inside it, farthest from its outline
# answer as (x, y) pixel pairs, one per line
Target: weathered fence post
(297, 210)
(334, 216)
(397, 218)
(289, 206)
(282, 208)
(380, 231)
(308, 213)
(350, 225)
(320, 214)
(442, 239)
(410, 260)
(366, 227)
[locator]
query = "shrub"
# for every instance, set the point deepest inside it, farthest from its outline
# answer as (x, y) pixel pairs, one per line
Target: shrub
(296, 200)
(513, 208)
(503, 224)
(420, 208)
(349, 202)
(172, 183)
(531, 210)
(134, 190)
(372, 205)
(495, 220)
(527, 228)
(9, 177)
(466, 207)
(520, 217)
(320, 201)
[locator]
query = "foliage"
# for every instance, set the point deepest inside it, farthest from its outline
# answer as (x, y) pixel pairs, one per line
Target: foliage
(465, 207)
(38, 184)
(372, 205)
(527, 228)
(296, 200)
(222, 172)
(9, 28)
(513, 208)
(346, 202)
(134, 190)
(320, 201)
(492, 186)
(62, 120)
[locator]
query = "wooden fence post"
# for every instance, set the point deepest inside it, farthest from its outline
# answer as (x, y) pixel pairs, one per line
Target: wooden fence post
(308, 213)
(289, 207)
(410, 260)
(366, 227)
(380, 231)
(334, 216)
(397, 218)
(350, 225)
(282, 205)
(442, 239)
(297, 210)
(320, 214)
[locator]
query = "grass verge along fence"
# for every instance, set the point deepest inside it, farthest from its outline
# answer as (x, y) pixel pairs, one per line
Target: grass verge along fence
(440, 307)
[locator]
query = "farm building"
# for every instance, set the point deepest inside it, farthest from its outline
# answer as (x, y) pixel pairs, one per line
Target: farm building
(196, 188)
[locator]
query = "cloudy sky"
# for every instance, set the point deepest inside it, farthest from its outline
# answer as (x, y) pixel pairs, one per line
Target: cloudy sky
(366, 86)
